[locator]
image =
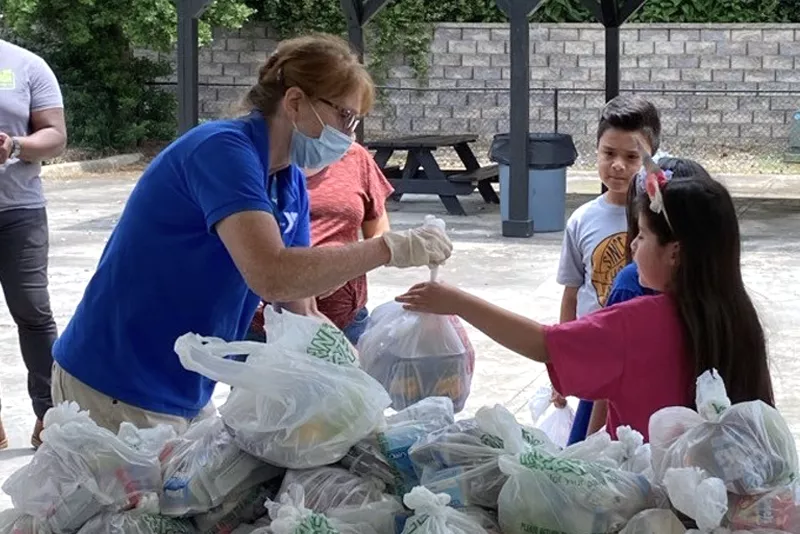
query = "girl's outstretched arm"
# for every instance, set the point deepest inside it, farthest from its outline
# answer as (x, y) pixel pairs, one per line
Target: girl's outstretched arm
(513, 331)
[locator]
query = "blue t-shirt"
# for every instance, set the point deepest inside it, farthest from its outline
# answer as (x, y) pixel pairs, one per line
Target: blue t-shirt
(165, 272)
(627, 287)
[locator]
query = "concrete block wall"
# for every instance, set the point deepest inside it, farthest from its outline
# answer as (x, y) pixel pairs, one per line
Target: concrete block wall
(753, 71)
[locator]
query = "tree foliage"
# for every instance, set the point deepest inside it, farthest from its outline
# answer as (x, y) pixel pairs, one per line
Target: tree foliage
(109, 95)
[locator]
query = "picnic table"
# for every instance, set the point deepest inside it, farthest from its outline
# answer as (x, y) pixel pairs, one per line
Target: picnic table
(421, 174)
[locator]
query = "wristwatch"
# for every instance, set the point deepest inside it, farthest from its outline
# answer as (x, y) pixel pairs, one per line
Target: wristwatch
(16, 148)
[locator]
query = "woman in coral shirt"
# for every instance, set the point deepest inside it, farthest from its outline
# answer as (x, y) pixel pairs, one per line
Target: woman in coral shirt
(348, 201)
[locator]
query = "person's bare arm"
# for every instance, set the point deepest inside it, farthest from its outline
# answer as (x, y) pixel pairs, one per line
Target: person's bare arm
(569, 305)
(515, 332)
(376, 227)
(599, 416)
(49, 137)
(279, 274)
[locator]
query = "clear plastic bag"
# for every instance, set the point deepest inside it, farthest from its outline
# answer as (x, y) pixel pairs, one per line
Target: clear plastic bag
(82, 470)
(461, 460)
(203, 466)
(288, 408)
(432, 515)
(416, 355)
(778, 509)
(654, 522)
(237, 509)
(384, 454)
(749, 445)
(136, 523)
(553, 421)
(325, 488)
(548, 493)
(310, 335)
(15, 522)
(698, 496)
(290, 516)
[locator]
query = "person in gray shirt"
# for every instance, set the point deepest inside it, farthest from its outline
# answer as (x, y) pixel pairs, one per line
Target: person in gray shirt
(32, 129)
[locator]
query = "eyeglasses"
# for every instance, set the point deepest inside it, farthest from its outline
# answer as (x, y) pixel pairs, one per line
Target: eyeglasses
(350, 119)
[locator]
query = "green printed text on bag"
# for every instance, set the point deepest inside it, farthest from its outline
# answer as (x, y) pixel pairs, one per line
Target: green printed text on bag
(331, 345)
(315, 524)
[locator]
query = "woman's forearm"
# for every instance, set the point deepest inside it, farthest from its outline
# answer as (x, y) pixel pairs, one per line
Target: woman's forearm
(513, 331)
(301, 273)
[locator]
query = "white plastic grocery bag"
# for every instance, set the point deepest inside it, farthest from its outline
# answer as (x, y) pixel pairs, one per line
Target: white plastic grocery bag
(311, 335)
(82, 470)
(548, 493)
(432, 515)
(202, 467)
(462, 459)
(748, 446)
(553, 421)
(288, 408)
(698, 496)
(654, 522)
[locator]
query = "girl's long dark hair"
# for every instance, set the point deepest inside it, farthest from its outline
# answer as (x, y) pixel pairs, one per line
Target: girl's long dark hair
(720, 322)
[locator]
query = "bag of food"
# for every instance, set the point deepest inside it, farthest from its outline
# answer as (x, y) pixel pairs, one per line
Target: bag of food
(288, 408)
(82, 470)
(654, 522)
(547, 493)
(432, 515)
(310, 335)
(330, 487)
(15, 522)
(553, 421)
(749, 446)
(417, 355)
(778, 509)
(698, 496)
(384, 454)
(462, 459)
(136, 523)
(237, 509)
(204, 466)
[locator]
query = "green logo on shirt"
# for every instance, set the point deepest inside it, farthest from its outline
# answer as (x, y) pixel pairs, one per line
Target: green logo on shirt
(7, 80)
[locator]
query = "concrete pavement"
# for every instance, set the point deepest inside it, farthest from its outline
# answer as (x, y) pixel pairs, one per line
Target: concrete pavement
(516, 274)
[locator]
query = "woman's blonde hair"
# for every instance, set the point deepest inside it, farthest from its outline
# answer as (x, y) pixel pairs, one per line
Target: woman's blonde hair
(322, 65)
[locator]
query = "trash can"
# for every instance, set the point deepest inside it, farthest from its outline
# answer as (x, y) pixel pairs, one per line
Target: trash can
(549, 155)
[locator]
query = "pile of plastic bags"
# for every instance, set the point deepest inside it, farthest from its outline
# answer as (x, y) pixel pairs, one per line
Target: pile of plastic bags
(304, 445)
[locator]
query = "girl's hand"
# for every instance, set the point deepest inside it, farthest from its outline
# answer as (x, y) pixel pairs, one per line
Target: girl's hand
(432, 297)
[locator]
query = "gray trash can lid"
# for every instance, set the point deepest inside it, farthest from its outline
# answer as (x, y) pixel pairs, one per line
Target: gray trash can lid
(545, 150)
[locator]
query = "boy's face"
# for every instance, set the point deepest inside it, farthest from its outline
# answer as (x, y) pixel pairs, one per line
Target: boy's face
(618, 158)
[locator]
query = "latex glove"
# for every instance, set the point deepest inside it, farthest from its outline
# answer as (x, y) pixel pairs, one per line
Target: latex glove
(420, 247)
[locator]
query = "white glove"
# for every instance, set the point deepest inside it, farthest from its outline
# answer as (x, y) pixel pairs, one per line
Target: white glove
(420, 247)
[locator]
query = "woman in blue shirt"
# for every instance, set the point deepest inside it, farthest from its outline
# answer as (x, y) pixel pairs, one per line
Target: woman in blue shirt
(217, 222)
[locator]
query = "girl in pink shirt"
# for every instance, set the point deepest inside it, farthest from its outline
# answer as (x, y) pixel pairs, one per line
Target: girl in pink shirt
(644, 354)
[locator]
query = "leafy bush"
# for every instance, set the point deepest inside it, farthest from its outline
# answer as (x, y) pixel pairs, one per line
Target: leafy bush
(110, 99)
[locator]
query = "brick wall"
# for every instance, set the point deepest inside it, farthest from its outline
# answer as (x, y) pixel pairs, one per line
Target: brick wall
(747, 66)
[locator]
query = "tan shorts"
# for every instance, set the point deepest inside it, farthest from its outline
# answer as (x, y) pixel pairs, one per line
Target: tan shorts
(108, 412)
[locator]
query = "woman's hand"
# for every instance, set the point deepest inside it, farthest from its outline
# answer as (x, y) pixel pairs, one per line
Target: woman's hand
(433, 297)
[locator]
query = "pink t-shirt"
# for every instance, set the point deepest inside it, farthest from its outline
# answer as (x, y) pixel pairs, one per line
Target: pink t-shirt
(632, 354)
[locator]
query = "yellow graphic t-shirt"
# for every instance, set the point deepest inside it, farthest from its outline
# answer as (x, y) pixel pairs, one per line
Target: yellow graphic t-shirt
(593, 252)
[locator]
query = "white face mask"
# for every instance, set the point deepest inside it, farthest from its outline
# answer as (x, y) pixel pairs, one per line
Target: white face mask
(310, 153)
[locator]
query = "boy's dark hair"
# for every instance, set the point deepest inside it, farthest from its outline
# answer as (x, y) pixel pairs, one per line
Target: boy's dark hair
(720, 322)
(680, 168)
(631, 113)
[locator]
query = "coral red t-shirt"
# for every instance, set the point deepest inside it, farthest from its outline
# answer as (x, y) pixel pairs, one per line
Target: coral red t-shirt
(633, 354)
(343, 196)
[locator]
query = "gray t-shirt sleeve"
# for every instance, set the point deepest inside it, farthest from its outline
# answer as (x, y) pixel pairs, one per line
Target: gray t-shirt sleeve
(571, 272)
(45, 91)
